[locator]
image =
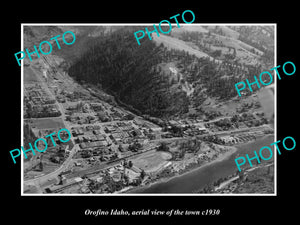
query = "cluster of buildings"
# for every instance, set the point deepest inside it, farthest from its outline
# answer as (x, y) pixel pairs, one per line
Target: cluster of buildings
(115, 178)
(38, 103)
(242, 137)
(89, 113)
(90, 136)
(189, 127)
(108, 180)
(108, 141)
(123, 132)
(242, 121)
(63, 94)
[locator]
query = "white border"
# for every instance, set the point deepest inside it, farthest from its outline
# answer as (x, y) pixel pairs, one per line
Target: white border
(147, 24)
(22, 117)
(275, 109)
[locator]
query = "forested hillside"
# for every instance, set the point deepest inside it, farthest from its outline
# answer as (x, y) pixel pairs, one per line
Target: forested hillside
(154, 78)
(130, 73)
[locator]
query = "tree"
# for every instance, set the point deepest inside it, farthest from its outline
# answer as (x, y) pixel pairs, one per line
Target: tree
(181, 153)
(137, 181)
(142, 175)
(235, 118)
(113, 157)
(126, 179)
(79, 106)
(177, 131)
(216, 53)
(41, 167)
(130, 164)
(129, 117)
(120, 148)
(135, 146)
(208, 189)
(102, 117)
(241, 175)
(163, 147)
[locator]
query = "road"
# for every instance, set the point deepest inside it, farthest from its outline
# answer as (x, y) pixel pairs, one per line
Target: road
(218, 119)
(107, 165)
(75, 148)
(72, 151)
(227, 182)
(91, 170)
(103, 166)
(238, 130)
(55, 173)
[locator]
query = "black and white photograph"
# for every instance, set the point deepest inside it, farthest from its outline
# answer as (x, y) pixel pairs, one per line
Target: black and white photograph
(153, 115)
(141, 113)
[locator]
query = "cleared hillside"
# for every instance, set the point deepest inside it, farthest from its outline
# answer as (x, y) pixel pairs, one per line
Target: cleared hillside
(188, 28)
(174, 43)
(249, 45)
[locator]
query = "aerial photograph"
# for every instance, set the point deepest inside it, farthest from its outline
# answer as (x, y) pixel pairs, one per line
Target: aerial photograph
(158, 117)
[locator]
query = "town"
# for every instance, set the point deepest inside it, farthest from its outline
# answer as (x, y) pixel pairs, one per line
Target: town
(49, 48)
(114, 149)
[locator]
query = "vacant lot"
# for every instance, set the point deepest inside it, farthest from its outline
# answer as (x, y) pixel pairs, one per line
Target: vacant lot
(152, 161)
(29, 76)
(48, 123)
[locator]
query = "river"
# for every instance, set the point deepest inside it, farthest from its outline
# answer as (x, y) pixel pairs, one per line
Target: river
(198, 178)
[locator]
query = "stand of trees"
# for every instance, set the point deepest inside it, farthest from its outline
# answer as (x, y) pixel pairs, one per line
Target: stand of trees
(130, 73)
(29, 136)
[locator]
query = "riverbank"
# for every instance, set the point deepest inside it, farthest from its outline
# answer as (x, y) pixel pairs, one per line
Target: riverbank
(206, 174)
(188, 169)
(249, 181)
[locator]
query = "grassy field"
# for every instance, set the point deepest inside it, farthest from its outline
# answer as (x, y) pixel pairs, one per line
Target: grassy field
(29, 76)
(151, 161)
(48, 123)
(175, 43)
(184, 28)
(243, 50)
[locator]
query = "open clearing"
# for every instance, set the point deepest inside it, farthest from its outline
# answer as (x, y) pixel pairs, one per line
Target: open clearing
(29, 76)
(175, 43)
(48, 123)
(152, 161)
(191, 28)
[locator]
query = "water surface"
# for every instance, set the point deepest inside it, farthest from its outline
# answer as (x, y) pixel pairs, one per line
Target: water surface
(198, 178)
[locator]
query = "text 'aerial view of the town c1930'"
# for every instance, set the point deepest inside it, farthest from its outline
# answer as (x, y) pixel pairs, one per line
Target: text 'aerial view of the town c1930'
(163, 117)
